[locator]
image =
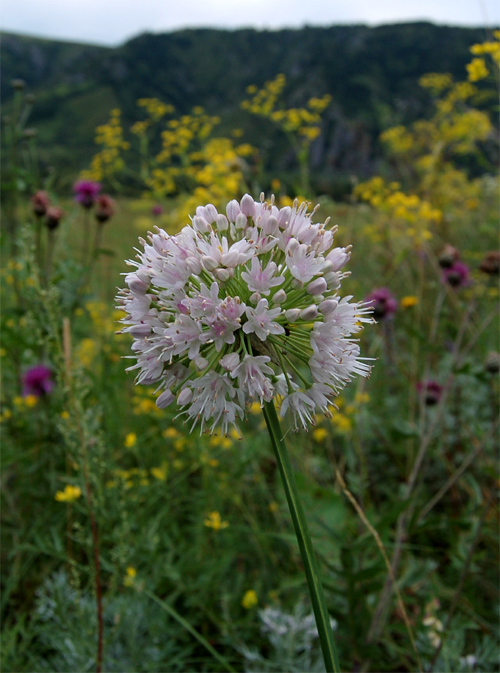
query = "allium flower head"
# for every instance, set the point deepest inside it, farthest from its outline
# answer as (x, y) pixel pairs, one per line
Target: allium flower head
(37, 381)
(86, 192)
(240, 308)
(384, 303)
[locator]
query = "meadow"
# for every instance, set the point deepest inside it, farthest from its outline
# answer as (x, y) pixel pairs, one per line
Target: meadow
(129, 542)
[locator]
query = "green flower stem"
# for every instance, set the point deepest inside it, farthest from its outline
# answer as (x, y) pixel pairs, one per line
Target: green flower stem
(304, 539)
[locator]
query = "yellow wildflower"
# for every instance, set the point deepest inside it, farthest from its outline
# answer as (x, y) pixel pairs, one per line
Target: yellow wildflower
(130, 577)
(130, 440)
(86, 351)
(249, 600)
(477, 69)
(273, 506)
(214, 521)
(169, 433)
(69, 494)
(361, 398)
(65, 415)
(409, 301)
(180, 444)
(31, 401)
(342, 423)
(320, 434)
(160, 472)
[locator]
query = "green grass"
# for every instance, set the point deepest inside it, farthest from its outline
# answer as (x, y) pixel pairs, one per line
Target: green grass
(157, 525)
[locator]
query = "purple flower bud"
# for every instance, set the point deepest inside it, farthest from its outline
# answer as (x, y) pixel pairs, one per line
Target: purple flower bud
(210, 213)
(271, 226)
(279, 297)
(141, 330)
(166, 398)
(328, 306)
(309, 313)
(222, 274)
(38, 381)
(384, 303)
(194, 265)
(247, 205)
(332, 280)
(222, 223)
(86, 192)
(209, 263)
(317, 286)
(136, 284)
(457, 275)
(184, 397)
(200, 363)
(431, 390)
(233, 210)
(241, 221)
(292, 314)
(200, 224)
(284, 216)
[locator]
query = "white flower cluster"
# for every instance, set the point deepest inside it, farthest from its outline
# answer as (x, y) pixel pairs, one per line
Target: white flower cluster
(243, 307)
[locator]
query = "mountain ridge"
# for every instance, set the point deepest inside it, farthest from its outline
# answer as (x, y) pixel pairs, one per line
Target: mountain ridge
(371, 73)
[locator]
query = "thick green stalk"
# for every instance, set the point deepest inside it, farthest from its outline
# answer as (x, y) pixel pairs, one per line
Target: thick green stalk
(304, 539)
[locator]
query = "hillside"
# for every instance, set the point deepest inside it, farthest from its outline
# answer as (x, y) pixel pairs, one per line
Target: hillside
(371, 74)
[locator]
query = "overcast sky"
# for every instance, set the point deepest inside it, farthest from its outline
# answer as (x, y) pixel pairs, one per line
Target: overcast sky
(112, 22)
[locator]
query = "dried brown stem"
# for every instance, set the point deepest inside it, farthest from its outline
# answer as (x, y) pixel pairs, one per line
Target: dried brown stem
(379, 616)
(456, 475)
(461, 581)
(381, 547)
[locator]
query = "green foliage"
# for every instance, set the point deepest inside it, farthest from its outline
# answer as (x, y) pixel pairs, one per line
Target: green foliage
(197, 526)
(371, 74)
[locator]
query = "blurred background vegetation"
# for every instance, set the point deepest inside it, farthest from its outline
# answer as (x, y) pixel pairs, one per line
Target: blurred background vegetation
(178, 549)
(371, 74)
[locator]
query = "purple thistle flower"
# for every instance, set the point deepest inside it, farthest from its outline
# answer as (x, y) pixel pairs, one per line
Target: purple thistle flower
(156, 210)
(457, 275)
(86, 192)
(384, 303)
(431, 391)
(37, 381)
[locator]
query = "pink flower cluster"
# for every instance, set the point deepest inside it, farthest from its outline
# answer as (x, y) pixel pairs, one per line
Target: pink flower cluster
(243, 306)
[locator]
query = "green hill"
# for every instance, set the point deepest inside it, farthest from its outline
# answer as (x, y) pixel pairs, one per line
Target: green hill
(371, 73)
